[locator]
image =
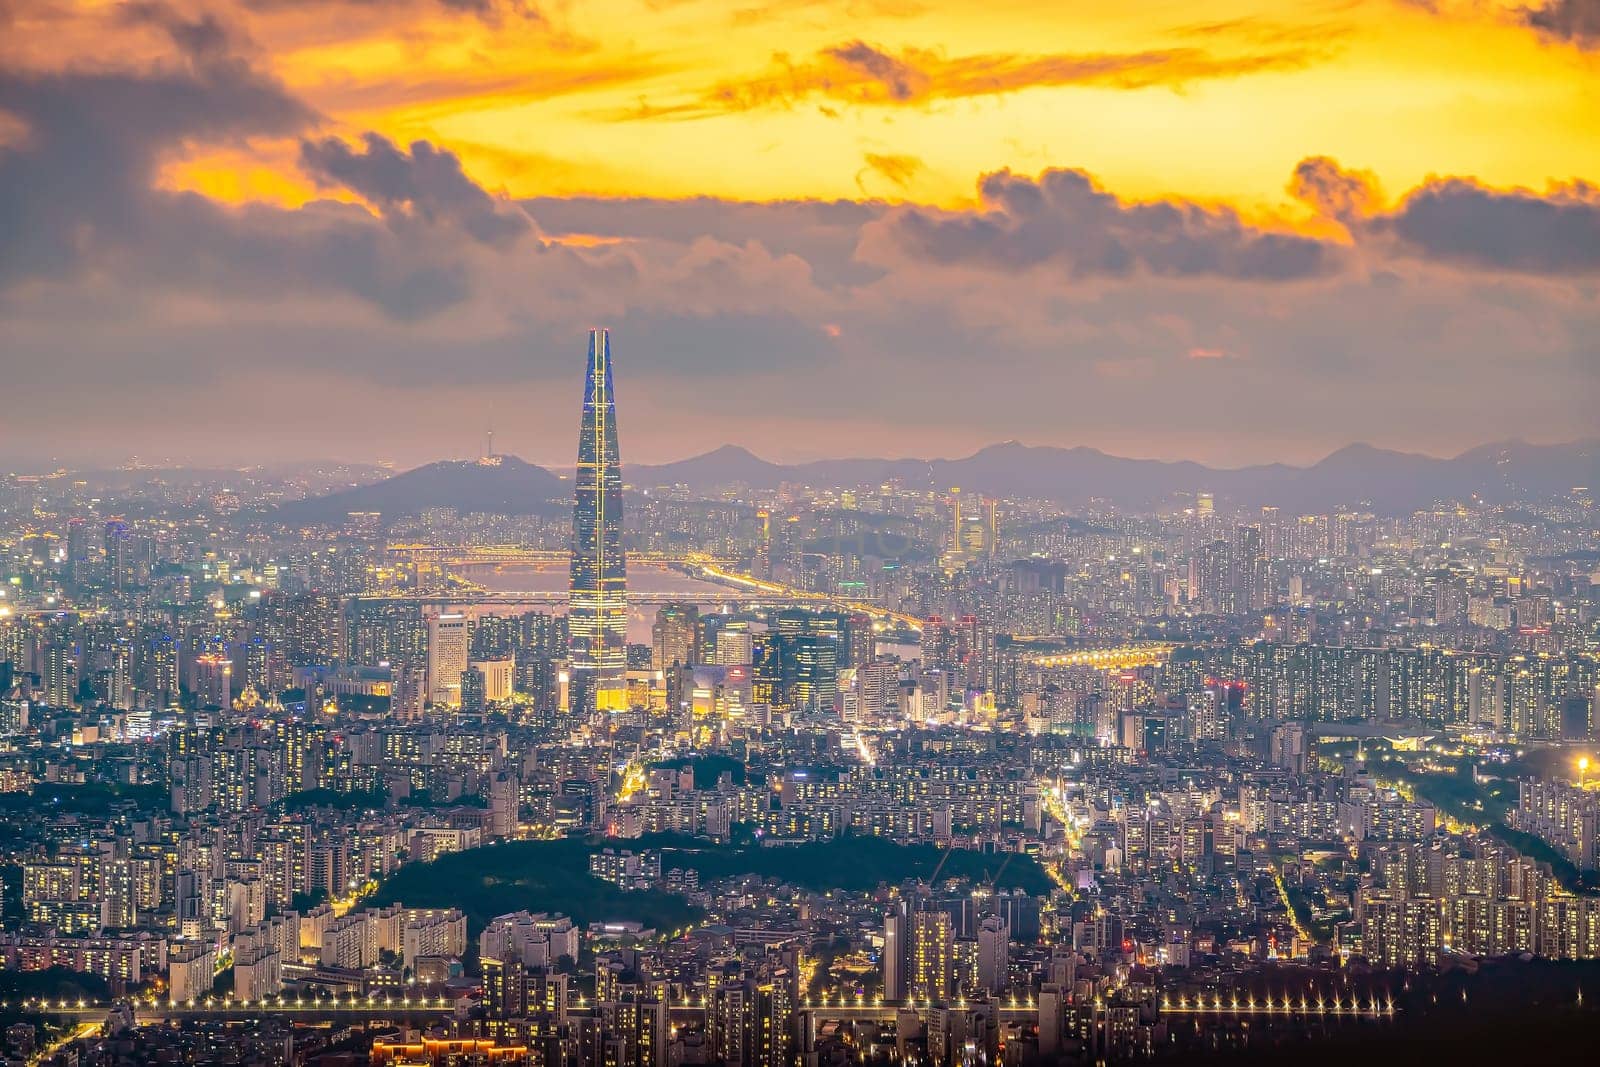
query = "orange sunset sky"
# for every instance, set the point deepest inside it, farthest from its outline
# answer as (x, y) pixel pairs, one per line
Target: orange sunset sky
(1226, 230)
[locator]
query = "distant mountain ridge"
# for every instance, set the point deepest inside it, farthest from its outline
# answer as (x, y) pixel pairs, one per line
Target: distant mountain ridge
(1386, 481)
(1358, 475)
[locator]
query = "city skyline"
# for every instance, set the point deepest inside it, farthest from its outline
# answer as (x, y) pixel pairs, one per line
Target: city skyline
(1233, 234)
(1106, 569)
(1077, 764)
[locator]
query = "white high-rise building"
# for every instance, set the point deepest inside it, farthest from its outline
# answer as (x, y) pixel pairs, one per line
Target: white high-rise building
(448, 643)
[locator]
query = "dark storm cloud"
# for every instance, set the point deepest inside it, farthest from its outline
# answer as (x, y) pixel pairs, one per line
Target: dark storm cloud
(1063, 218)
(1460, 221)
(1577, 21)
(425, 184)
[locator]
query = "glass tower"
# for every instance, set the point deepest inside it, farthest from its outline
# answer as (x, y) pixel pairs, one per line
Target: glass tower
(597, 613)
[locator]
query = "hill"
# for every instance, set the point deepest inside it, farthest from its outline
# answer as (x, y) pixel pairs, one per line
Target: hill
(726, 466)
(510, 487)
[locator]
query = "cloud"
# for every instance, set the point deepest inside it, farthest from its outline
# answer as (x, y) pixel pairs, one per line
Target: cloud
(425, 185)
(493, 12)
(1334, 191)
(1574, 21)
(899, 170)
(823, 233)
(79, 195)
(203, 38)
(1064, 219)
(900, 77)
(82, 172)
(416, 292)
(1460, 221)
(857, 72)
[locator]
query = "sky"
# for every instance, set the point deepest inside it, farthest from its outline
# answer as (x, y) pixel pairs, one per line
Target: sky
(1234, 231)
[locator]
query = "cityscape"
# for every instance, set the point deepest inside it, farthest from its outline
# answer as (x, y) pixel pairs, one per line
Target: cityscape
(1167, 722)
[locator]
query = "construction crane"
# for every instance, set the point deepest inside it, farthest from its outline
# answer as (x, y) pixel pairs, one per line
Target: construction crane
(991, 879)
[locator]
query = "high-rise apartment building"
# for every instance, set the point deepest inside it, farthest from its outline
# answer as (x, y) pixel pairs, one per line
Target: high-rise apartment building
(118, 554)
(932, 956)
(60, 676)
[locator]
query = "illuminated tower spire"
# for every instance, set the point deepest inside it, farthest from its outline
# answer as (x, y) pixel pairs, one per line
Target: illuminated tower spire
(597, 613)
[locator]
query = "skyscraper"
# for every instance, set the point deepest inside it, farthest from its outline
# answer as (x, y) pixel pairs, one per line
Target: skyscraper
(448, 639)
(896, 951)
(597, 613)
(675, 637)
(117, 555)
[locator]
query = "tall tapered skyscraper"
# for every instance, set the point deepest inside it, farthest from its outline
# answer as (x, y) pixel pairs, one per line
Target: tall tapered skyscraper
(597, 613)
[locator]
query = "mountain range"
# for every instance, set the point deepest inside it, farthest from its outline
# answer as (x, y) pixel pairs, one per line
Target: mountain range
(1384, 481)
(1358, 476)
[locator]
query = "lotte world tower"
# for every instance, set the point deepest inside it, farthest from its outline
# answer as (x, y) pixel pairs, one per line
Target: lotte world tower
(597, 612)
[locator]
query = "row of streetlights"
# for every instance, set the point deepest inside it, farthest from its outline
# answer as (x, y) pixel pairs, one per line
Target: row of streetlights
(1304, 1006)
(268, 1003)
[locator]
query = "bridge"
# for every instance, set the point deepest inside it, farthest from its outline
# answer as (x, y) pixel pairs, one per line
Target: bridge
(713, 571)
(1120, 658)
(469, 555)
(1408, 735)
(547, 597)
(743, 588)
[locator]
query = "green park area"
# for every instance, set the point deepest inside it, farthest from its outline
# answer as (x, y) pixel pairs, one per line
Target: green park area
(550, 876)
(86, 798)
(554, 876)
(852, 863)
